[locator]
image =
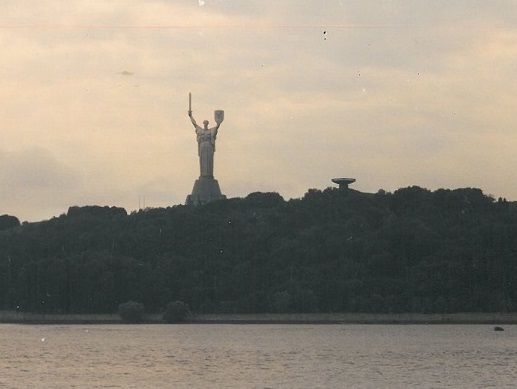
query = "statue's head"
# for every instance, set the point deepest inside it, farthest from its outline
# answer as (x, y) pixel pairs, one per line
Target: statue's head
(205, 122)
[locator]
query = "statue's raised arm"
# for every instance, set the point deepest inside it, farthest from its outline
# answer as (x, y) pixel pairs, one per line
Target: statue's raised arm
(190, 111)
(194, 123)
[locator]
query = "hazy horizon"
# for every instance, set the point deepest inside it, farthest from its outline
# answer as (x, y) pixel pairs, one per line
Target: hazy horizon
(95, 98)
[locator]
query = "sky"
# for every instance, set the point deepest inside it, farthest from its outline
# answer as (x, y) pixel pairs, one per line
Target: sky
(395, 93)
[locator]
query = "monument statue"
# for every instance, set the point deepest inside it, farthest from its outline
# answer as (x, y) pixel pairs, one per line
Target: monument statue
(206, 188)
(205, 145)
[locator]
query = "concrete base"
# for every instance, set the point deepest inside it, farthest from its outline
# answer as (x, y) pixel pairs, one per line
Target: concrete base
(206, 189)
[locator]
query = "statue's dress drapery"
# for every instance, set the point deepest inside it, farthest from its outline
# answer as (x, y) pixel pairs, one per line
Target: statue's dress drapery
(206, 148)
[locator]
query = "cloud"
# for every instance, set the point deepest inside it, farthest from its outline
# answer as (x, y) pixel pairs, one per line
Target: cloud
(393, 94)
(33, 180)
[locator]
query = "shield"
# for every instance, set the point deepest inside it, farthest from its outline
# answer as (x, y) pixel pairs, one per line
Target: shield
(219, 116)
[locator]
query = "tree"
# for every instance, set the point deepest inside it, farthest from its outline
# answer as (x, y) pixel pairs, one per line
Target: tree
(131, 312)
(7, 221)
(175, 312)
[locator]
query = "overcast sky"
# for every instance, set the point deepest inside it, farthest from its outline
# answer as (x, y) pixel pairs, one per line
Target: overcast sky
(94, 98)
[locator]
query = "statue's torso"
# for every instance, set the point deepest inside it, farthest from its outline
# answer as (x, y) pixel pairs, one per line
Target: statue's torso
(205, 135)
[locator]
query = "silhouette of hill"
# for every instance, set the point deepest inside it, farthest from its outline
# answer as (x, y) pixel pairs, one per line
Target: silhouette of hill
(333, 250)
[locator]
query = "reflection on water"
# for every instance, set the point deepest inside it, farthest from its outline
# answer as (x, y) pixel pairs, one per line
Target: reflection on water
(257, 356)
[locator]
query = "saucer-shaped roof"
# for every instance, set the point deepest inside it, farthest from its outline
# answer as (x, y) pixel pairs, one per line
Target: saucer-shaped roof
(341, 181)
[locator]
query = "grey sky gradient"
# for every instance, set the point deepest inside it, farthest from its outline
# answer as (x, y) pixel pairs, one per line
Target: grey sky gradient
(94, 98)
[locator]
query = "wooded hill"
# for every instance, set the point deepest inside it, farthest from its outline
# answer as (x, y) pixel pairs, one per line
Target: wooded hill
(331, 251)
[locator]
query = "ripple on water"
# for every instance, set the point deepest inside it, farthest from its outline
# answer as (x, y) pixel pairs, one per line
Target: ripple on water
(256, 356)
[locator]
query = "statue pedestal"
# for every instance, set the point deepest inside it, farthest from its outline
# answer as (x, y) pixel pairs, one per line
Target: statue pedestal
(206, 189)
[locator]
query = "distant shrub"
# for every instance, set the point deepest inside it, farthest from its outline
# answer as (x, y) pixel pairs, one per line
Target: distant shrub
(266, 200)
(95, 211)
(131, 312)
(175, 312)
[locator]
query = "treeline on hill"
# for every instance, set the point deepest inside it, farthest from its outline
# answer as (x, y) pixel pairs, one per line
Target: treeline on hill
(331, 251)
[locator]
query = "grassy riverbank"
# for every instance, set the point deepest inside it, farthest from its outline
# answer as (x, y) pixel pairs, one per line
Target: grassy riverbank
(313, 318)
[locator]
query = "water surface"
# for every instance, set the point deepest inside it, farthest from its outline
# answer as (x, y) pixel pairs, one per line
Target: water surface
(257, 356)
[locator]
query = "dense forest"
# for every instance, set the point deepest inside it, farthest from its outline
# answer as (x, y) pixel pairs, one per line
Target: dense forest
(333, 250)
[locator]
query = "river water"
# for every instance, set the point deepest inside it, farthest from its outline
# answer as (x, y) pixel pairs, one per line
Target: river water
(257, 356)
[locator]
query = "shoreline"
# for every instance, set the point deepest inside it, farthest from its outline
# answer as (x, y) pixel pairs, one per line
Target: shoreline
(7, 317)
